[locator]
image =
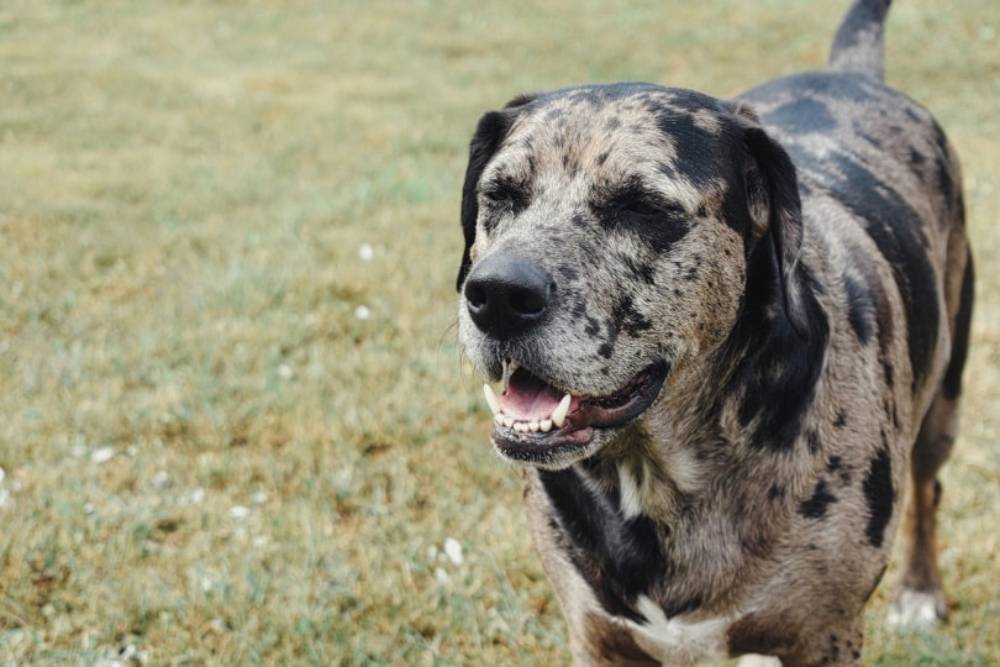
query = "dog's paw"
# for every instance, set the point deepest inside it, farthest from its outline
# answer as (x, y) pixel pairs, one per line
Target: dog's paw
(754, 660)
(917, 609)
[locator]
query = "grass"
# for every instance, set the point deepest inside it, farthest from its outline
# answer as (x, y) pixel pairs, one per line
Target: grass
(184, 190)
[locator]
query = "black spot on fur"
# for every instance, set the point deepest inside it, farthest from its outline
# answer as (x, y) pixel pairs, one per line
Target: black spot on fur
(618, 558)
(639, 270)
(879, 495)
(593, 327)
(895, 228)
(802, 116)
(874, 141)
(666, 169)
(612, 124)
(606, 350)
(860, 309)
(776, 492)
(951, 386)
(815, 506)
(571, 165)
(695, 156)
(602, 158)
(625, 317)
(812, 439)
(841, 420)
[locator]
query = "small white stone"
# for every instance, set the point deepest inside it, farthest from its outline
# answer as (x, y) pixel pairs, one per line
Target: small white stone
(362, 312)
(260, 541)
(88, 509)
(4, 497)
(160, 479)
(239, 512)
(453, 550)
(3, 474)
(366, 252)
(440, 575)
(285, 371)
(102, 455)
(196, 496)
(260, 498)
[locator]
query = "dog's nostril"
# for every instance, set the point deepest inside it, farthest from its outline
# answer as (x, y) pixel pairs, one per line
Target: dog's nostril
(475, 295)
(527, 301)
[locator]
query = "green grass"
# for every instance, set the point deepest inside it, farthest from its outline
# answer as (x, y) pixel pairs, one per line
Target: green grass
(184, 189)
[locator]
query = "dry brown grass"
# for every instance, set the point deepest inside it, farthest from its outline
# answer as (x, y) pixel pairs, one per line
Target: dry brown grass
(184, 188)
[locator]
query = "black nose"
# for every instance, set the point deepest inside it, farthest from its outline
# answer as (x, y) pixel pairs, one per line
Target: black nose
(507, 295)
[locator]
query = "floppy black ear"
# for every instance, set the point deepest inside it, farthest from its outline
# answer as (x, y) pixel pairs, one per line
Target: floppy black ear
(490, 133)
(776, 211)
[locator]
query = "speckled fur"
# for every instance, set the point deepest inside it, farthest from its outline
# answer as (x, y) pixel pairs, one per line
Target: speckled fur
(806, 350)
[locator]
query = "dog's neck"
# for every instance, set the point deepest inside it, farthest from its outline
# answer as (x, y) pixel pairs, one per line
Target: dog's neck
(719, 411)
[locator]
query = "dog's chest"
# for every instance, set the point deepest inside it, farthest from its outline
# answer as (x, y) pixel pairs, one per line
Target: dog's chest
(676, 641)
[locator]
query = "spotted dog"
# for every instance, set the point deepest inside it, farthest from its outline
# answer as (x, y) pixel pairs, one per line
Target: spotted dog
(730, 334)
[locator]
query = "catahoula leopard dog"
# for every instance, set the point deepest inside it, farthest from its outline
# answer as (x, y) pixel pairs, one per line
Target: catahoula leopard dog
(730, 335)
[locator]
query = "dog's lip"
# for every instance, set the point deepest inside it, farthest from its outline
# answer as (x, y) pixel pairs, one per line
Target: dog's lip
(588, 414)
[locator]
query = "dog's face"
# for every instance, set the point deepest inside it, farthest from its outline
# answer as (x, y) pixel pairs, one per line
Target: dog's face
(609, 231)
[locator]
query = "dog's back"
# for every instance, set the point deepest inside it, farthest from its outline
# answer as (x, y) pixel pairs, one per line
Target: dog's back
(881, 188)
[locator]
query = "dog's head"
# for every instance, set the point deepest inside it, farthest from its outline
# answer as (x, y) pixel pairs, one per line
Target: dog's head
(611, 237)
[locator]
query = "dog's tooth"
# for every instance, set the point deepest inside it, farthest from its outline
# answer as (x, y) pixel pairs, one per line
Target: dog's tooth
(509, 366)
(508, 421)
(498, 419)
(533, 426)
(491, 399)
(559, 414)
(520, 427)
(545, 425)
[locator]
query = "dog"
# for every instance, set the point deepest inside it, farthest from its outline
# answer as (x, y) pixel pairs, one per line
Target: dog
(730, 334)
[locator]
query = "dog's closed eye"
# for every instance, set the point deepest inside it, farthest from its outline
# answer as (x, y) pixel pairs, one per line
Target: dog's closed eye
(632, 201)
(505, 194)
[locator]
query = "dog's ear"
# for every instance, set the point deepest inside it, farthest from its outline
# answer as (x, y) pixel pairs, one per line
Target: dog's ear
(772, 191)
(489, 135)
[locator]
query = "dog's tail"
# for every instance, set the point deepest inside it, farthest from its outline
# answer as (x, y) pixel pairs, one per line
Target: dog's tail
(859, 45)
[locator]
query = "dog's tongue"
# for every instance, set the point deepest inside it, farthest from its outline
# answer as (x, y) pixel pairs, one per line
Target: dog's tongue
(527, 398)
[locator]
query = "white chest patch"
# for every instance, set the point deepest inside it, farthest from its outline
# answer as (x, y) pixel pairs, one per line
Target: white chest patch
(677, 641)
(631, 503)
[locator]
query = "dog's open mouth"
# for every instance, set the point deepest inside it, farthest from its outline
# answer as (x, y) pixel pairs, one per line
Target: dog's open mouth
(530, 413)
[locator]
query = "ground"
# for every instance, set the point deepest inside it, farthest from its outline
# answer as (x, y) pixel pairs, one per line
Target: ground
(235, 427)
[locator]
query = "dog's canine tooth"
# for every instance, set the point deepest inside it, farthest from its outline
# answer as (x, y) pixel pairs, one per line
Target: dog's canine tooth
(507, 421)
(545, 425)
(491, 399)
(559, 414)
(509, 366)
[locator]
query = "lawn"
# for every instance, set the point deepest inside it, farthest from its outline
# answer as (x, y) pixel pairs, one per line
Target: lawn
(235, 427)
